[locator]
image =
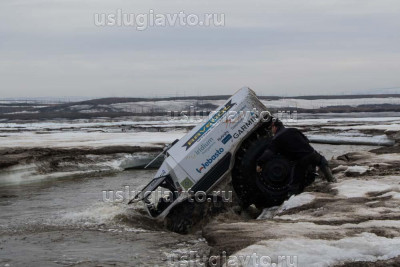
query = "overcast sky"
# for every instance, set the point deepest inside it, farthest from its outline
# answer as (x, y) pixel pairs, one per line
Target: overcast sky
(277, 47)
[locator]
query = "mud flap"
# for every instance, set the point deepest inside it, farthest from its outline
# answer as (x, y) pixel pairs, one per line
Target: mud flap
(190, 214)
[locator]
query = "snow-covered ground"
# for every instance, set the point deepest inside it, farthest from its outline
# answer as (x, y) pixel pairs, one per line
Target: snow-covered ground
(147, 106)
(150, 106)
(378, 140)
(354, 220)
(136, 133)
(348, 122)
(319, 103)
(100, 125)
(43, 151)
(24, 144)
(321, 252)
(88, 139)
(395, 127)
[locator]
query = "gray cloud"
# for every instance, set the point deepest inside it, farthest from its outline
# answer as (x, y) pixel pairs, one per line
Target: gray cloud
(53, 48)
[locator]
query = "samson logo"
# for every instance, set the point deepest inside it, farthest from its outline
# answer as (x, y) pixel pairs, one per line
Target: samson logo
(205, 165)
(244, 127)
(217, 116)
(226, 139)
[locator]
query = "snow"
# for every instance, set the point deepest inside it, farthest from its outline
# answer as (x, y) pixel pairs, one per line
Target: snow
(168, 105)
(346, 120)
(357, 169)
(384, 127)
(318, 103)
(297, 201)
(22, 112)
(359, 188)
(344, 137)
(98, 125)
(388, 158)
(88, 139)
(394, 195)
(373, 223)
(268, 213)
(293, 202)
(381, 140)
(77, 107)
(340, 168)
(319, 252)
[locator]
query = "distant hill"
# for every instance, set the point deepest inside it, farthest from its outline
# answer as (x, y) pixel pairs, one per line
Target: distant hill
(115, 107)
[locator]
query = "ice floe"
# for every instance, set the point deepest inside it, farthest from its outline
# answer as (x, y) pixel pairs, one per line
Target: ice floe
(319, 252)
(379, 140)
(88, 139)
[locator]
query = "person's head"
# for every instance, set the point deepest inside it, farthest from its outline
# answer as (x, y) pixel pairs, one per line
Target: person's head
(276, 125)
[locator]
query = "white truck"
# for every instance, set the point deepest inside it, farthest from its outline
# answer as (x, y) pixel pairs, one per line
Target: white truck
(221, 150)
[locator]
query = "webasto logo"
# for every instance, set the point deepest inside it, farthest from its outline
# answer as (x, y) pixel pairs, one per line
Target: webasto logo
(205, 165)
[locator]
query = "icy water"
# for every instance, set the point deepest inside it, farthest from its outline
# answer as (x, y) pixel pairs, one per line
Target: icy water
(67, 223)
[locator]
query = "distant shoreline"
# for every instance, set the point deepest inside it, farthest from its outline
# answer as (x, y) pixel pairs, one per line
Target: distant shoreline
(122, 107)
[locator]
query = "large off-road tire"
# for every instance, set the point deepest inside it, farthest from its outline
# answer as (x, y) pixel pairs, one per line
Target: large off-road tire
(271, 187)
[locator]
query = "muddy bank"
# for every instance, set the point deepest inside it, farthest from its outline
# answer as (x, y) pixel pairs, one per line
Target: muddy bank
(71, 151)
(329, 224)
(30, 165)
(386, 150)
(14, 156)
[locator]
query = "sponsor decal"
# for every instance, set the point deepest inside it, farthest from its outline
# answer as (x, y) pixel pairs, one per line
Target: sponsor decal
(209, 161)
(204, 146)
(244, 127)
(207, 126)
(225, 137)
(235, 117)
(191, 156)
(187, 183)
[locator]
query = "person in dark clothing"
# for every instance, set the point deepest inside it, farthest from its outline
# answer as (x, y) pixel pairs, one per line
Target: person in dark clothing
(295, 146)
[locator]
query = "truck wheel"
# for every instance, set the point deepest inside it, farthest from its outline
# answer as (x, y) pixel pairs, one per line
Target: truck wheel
(272, 186)
(274, 180)
(244, 172)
